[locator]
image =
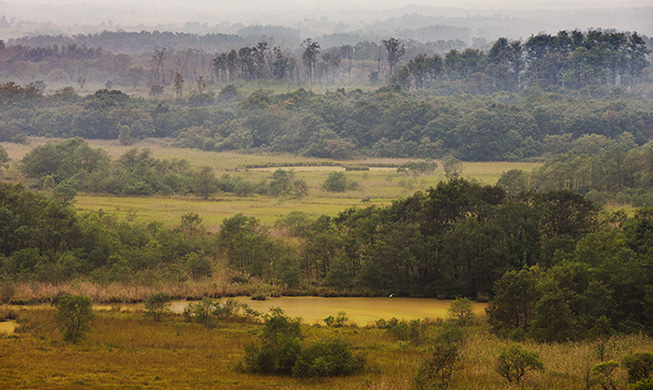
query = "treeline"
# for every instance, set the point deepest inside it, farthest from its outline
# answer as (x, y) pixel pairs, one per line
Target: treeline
(341, 124)
(72, 165)
(572, 60)
(45, 240)
(602, 169)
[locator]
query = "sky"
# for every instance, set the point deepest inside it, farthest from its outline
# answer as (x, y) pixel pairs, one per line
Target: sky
(73, 15)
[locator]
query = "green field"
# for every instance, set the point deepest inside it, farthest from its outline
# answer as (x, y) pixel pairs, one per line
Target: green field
(379, 186)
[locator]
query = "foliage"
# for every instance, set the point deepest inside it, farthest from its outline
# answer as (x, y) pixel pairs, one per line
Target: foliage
(338, 182)
(514, 361)
(337, 322)
(603, 372)
(460, 311)
(639, 366)
(74, 312)
(328, 357)
(437, 369)
(157, 306)
(278, 349)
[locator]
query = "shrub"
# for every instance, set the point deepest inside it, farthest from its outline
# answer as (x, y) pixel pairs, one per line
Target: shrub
(639, 366)
(207, 311)
(438, 368)
(414, 331)
(337, 322)
(646, 384)
(279, 348)
(330, 357)
(602, 374)
(74, 312)
(157, 306)
(514, 361)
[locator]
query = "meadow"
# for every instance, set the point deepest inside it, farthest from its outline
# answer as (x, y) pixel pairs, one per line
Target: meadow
(124, 349)
(378, 186)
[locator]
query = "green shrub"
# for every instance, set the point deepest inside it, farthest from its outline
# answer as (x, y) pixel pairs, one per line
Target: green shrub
(157, 306)
(279, 348)
(74, 312)
(337, 322)
(639, 366)
(438, 368)
(207, 311)
(330, 357)
(514, 361)
(413, 331)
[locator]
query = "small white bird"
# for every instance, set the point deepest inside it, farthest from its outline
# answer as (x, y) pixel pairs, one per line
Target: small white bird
(392, 295)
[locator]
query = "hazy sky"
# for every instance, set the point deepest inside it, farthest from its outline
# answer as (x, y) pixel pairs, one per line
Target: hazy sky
(148, 14)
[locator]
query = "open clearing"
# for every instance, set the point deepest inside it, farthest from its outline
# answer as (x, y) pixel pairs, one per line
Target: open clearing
(378, 186)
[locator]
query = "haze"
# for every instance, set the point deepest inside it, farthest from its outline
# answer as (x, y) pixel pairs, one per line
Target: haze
(487, 20)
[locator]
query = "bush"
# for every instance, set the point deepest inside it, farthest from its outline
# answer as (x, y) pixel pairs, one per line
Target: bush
(207, 311)
(74, 312)
(157, 306)
(337, 322)
(639, 366)
(437, 369)
(514, 361)
(279, 349)
(330, 357)
(202, 312)
(414, 331)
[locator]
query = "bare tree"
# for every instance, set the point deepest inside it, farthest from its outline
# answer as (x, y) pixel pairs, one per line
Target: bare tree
(396, 50)
(156, 67)
(179, 84)
(311, 50)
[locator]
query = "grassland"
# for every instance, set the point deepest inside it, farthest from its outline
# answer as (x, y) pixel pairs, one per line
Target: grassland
(128, 351)
(379, 186)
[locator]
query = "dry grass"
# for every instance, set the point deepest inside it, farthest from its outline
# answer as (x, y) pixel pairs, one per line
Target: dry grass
(126, 350)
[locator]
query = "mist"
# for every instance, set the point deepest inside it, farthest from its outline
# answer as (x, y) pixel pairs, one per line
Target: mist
(511, 18)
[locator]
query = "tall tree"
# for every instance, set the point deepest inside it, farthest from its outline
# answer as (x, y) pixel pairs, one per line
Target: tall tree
(396, 50)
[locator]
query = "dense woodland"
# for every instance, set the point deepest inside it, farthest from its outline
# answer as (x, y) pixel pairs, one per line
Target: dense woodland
(341, 124)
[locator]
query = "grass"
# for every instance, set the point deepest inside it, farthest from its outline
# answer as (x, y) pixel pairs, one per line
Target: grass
(379, 186)
(126, 350)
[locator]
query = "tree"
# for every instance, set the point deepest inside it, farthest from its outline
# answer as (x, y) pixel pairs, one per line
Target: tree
(336, 182)
(515, 297)
(396, 50)
(74, 312)
(460, 310)
(309, 56)
(514, 181)
(514, 361)
(4, 158)
(157, 306)
(179, 84)
(205, 182)
(452, 167)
